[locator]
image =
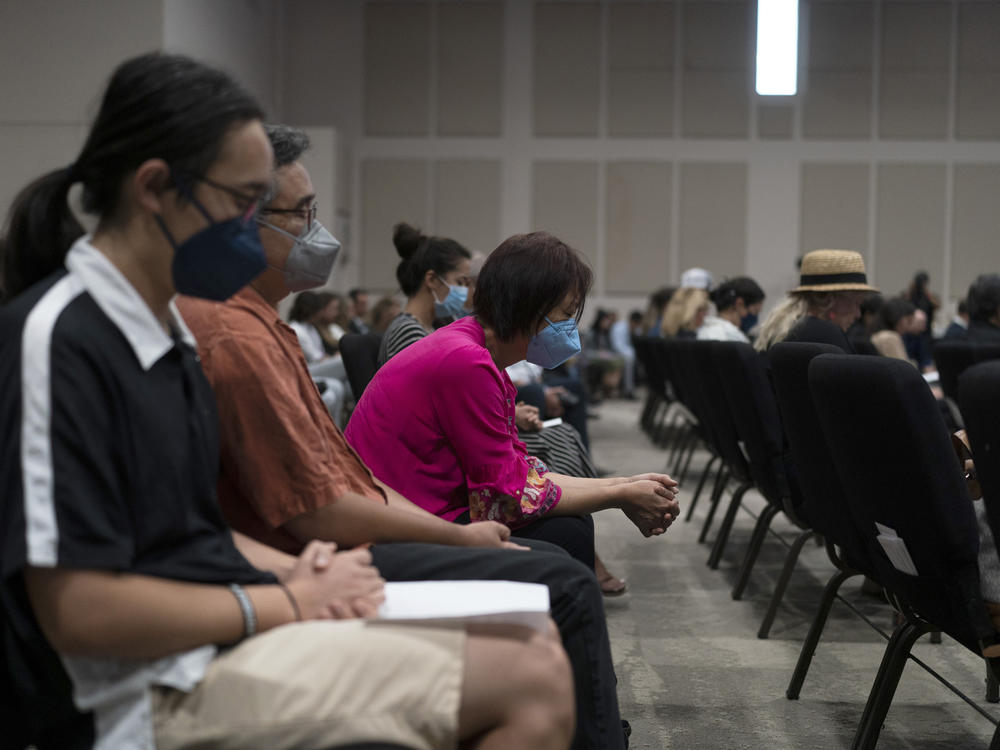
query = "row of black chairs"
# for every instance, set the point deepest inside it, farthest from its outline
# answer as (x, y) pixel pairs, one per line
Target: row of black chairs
(839, 444)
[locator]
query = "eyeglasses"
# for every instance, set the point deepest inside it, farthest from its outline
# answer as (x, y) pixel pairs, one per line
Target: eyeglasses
(306, 214)
(249, 205)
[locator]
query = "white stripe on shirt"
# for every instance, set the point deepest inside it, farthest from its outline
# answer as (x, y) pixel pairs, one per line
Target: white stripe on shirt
(36, 421)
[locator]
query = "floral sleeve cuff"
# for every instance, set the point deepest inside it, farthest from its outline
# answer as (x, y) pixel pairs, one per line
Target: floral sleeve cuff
(538, 496)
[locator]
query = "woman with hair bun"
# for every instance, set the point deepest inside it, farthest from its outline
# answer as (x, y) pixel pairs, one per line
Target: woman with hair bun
(434, 276)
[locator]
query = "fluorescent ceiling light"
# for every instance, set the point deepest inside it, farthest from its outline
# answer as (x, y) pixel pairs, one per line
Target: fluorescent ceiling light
(777, 47)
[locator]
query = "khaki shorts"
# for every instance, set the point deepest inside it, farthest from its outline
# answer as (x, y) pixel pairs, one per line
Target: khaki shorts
(322, 684)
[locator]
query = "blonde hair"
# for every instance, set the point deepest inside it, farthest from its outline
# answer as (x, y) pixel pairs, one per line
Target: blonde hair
(786, 315)
(682, 309)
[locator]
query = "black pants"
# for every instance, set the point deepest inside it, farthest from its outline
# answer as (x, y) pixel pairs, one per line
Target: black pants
(577, 608)
(575, 534)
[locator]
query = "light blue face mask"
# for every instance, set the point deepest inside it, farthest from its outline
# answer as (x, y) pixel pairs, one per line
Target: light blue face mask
(453, 305)
(554, 344)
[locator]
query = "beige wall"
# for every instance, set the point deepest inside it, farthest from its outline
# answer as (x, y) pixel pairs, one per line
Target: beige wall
(631, 127)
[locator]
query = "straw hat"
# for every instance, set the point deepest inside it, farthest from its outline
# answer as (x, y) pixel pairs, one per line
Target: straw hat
(833, 271)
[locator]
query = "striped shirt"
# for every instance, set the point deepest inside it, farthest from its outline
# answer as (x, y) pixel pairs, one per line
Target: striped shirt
(404, 330)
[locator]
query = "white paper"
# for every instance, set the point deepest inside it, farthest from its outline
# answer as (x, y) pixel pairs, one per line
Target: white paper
(552, 422)
(453, 602)
(895, 549)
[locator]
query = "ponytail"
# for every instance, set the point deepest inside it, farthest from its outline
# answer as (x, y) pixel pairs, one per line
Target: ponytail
(40, 230)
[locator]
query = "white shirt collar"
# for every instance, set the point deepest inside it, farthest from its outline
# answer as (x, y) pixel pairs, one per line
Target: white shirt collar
(119, 300)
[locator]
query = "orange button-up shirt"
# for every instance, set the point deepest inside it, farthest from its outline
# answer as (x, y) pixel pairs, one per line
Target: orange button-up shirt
(281, 453)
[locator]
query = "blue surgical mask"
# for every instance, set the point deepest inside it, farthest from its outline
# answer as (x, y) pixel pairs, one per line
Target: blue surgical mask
(312, 257)
(453, 305)
(747, 322)
(217, 261)
(554, 344)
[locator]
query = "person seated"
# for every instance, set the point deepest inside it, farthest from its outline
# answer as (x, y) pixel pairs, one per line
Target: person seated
(984, 309)
(622, 334)
(604, 366)
(132, 615)
(960, 323)
(287, 475)
(437, 421)
(358, 313)
(652, 320)
(917, 341)
(307, 318)
(737, 303)
(897, 317)
(384, 312)
(334, 322)
(685, 313)
(859, 333)
(832, 284)
(434, 276)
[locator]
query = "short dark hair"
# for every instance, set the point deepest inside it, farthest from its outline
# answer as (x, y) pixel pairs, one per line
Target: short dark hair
(306, 305)
(893, 311)
(421, 254)
(635, 316)
(742, 287)
(288, 143)
(983, 298)
(524, 279)
(355, 293)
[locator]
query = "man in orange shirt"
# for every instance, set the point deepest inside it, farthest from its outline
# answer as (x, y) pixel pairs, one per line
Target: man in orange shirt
(288, 476)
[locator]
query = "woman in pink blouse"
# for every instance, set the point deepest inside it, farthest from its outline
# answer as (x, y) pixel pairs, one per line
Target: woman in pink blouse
(437, 422)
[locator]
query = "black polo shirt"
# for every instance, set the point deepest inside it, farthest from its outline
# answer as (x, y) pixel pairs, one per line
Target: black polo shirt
(108, 460)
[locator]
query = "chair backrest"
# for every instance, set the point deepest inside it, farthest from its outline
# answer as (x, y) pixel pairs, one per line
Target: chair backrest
(360, 353)
(755, 415)
(823, 495)
(952, 357)
(655, 379)
(676, 353)
(706, 377)
(897, 465)
(978, 390)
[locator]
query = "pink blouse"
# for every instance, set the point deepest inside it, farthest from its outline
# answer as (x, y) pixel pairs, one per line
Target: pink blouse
(436, 424)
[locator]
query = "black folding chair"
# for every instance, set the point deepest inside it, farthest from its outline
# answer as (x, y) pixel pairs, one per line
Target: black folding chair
(952, 357)
(360, 353)
(906, 492)
(758, 425)
(705, 380)
(822, 493)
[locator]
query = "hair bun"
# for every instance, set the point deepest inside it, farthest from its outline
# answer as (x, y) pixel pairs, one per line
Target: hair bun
(407, 239)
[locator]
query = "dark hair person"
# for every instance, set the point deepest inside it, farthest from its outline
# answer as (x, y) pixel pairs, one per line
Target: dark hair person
(434, 274)
(119, 575)
(437, 421)
(737, 304)
(983, 301)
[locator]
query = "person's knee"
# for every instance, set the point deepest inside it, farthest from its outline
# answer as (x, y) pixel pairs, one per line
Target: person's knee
(546, 672)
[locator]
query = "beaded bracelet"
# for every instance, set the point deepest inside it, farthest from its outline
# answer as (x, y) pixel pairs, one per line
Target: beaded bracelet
(246, 607)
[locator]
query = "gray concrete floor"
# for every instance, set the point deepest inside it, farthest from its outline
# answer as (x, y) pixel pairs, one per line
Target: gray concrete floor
(692, 672)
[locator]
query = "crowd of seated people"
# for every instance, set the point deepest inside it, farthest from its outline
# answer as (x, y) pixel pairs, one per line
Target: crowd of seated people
(173, 472)
(196, 420)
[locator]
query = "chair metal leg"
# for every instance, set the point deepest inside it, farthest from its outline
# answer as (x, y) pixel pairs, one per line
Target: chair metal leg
(992, 686)
(721, 479)
(815, 631)
(726, 526)
(690, 437)
(786, 573)
(701, 484)
(890, 670)
(995, 742)
(753, 549)
(682, 474)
